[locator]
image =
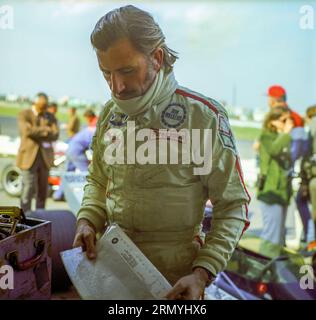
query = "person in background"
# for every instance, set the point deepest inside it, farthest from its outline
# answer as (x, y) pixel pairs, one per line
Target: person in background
(77, 147)
(274, 183)
(299, 144)
(38, 129)
(277, 97)
(307, 191)
(73, 125)
(80, 143)
(52, 108)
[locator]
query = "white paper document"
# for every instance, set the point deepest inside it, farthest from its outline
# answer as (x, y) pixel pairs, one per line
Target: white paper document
(121, 271)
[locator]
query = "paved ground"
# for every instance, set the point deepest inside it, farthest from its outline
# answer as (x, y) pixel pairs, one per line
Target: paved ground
(6, 200)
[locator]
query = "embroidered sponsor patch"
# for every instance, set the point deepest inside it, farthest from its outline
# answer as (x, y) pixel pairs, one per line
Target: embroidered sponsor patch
(173, 115)
(225, 134)
(118, 119)
(164, 134)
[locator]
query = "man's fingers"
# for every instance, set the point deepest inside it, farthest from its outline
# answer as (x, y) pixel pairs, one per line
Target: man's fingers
(187, 288)
(78, 241)
(89, 240)
(175, 292)
(86, 240)
(192, 295)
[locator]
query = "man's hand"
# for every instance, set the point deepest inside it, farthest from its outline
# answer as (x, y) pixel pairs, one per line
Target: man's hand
(86, 238)
(190, 287)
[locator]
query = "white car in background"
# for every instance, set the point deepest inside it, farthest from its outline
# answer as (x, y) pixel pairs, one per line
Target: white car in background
(10, 175)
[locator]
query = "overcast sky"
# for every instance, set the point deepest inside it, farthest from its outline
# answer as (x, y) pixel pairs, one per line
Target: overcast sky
(246, 45)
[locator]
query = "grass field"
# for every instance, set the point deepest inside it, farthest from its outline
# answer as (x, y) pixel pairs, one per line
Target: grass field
(245, 133)
(13, 109)
(10, 110)
(242, 133)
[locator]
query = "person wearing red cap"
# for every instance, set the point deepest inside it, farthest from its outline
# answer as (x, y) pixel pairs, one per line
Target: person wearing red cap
(277, 98)
(274, 186)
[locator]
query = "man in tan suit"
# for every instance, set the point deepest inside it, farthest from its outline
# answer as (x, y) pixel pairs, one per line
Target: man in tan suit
(38, 129)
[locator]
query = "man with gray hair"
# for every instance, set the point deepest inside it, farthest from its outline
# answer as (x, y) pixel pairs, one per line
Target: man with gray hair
(160, 206)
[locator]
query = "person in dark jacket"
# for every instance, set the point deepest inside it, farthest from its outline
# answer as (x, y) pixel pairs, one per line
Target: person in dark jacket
(274, 183)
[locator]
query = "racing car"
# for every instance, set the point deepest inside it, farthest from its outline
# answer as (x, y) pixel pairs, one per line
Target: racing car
(270, 272)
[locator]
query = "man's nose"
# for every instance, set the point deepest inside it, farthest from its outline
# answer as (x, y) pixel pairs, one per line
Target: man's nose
(117, 84)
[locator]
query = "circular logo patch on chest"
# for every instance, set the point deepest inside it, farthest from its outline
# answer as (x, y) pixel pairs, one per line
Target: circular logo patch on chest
(173, 115)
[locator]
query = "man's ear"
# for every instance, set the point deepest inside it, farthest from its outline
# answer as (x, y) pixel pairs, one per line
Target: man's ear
(158, 56)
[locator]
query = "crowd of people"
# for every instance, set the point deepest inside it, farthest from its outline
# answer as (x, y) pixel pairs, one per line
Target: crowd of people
(286, 137)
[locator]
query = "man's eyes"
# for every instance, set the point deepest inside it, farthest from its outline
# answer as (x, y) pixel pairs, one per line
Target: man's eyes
(106, 73)
(123, 72)
(126, 71)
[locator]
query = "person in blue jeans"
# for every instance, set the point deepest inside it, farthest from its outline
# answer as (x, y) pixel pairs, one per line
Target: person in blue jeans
(77, 147)
(274, 185)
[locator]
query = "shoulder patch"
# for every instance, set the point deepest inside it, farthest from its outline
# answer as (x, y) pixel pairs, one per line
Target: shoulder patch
(224, 131)
(225, 134)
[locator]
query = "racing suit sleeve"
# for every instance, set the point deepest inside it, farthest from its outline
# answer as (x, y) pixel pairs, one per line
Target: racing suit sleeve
(228, 194)
(93, 205)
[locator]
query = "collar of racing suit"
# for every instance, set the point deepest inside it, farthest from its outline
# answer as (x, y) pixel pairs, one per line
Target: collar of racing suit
(163, 86)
